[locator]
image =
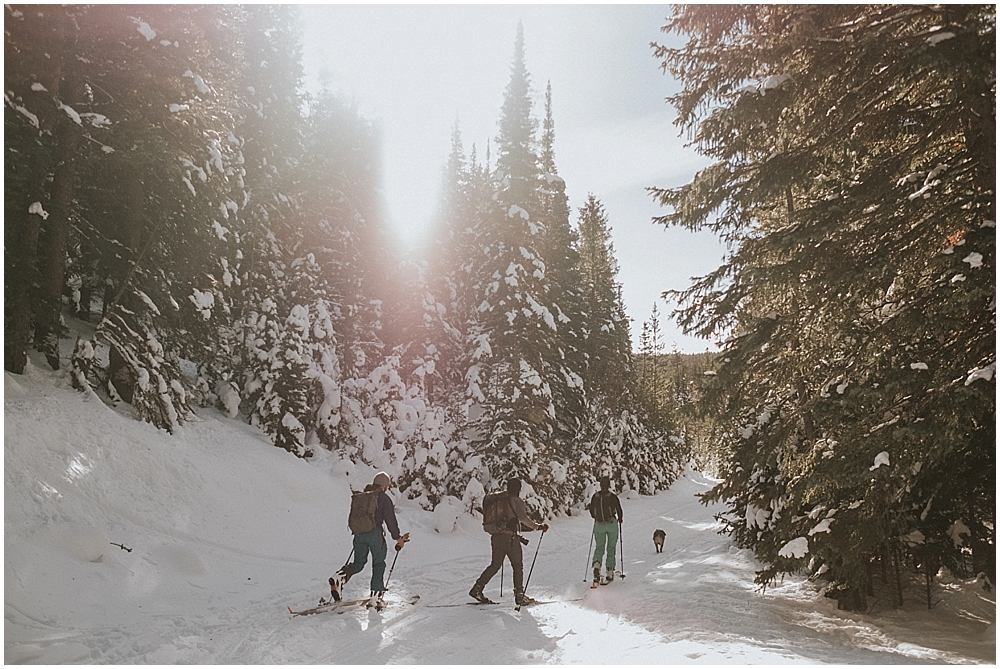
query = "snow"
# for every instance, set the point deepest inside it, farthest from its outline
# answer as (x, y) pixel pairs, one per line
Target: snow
(933, 40)
(446, 515)
(144, 29)
(36, 208)
(822, 526)
(126, 545)
(974, 259)
(985, 373)
(20, 109)
(517, 211)
(774, 81)
(880, 459)
(96, 120)
(957, 529)
(796, 548)
(72, 113)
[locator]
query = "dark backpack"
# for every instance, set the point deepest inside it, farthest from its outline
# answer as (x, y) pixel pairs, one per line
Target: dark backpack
(498, 514)
(602, 509)
(364, 503)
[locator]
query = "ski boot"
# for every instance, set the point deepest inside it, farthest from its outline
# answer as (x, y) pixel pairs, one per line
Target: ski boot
(597, 575)
(610, 575)
(376, 600)
(338, 580)
(477, 594)
(522, 599)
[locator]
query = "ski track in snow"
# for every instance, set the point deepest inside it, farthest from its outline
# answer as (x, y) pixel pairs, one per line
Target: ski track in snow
(226, 531)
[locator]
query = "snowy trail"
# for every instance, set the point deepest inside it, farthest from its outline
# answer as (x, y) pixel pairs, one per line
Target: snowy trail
(225, 531)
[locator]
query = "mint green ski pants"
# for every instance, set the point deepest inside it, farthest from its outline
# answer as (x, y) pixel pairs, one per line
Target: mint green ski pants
(606, 535)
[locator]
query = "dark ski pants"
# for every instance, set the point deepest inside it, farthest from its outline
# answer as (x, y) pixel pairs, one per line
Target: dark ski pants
(504, 546)
(373, 542)
(605, 534)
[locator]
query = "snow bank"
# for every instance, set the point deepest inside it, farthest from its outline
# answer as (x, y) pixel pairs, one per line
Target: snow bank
(446, 515)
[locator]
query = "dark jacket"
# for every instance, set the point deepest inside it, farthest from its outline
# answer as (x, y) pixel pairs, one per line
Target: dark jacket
(386, 512)
(521, 513)
(605, 507)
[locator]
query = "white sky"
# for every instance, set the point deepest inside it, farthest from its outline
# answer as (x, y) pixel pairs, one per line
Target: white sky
(415, 69)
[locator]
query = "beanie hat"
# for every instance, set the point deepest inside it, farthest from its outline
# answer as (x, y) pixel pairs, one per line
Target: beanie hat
(382, 479)
(514, 485)
(605, 483)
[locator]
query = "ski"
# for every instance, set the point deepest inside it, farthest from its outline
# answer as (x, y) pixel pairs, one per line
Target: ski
(333, 606)
(551, 601)
(326, 606)
(448, 606)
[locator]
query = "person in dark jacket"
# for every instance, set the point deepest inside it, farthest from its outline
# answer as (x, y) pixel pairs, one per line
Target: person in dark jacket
(507, 544)
(606, 510)
(372, 542)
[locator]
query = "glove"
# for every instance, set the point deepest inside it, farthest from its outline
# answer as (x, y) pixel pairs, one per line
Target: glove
(402, 540)
(545, 527)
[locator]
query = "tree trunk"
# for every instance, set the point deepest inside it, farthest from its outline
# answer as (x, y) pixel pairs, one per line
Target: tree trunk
(86, 298)
(52, 246)
(21, 245)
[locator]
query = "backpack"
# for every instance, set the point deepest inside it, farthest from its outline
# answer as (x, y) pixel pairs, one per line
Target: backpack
(498, 515)
(361, 518)
(601, 509)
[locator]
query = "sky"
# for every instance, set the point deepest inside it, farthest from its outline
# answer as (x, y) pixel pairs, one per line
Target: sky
(414, 70)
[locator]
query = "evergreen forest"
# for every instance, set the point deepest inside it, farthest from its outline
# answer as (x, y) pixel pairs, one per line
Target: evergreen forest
(170, 183)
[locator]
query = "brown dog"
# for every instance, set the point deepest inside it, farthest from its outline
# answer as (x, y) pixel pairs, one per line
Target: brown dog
(658, 537)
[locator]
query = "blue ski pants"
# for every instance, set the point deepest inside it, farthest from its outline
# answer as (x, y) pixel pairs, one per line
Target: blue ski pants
(606, 535)
(371, 542)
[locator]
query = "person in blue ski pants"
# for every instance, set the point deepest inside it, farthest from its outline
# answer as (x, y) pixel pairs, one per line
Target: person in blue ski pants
(373, 542)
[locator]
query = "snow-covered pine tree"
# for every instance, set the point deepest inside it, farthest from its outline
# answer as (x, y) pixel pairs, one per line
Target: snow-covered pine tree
(268, 130)
(859, 300)
(515, 336)
(451, 256)
(135, 195)
(625, 438)
(42, 141)
(562, 268)
(341, 225)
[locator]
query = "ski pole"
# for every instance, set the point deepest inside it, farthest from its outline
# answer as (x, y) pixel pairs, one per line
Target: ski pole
(621, 551)
(528, 580)
(586, 569)
(386, 584)
(501, 579)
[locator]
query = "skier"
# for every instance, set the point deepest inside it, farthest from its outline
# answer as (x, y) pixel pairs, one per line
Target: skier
(606, 509)
(373, 506)
(506, 542)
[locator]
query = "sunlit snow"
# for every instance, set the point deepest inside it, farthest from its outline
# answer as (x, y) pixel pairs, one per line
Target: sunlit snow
(127, 545)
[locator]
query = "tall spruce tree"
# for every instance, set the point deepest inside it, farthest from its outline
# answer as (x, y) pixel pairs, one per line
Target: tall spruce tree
(515, 337)
(854, 177)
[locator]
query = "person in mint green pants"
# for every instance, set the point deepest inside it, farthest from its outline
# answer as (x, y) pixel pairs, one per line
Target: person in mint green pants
(606, 510)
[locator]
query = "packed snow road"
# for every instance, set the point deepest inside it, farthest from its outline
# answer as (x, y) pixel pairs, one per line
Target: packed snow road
(125, 545)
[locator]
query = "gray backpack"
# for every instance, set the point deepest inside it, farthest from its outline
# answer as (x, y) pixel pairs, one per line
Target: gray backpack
(498, 514)
(364, 503)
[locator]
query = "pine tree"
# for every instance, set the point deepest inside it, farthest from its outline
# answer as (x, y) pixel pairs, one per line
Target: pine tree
(125, 114)
(859, 298)
(41, 140)
(514, 337)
